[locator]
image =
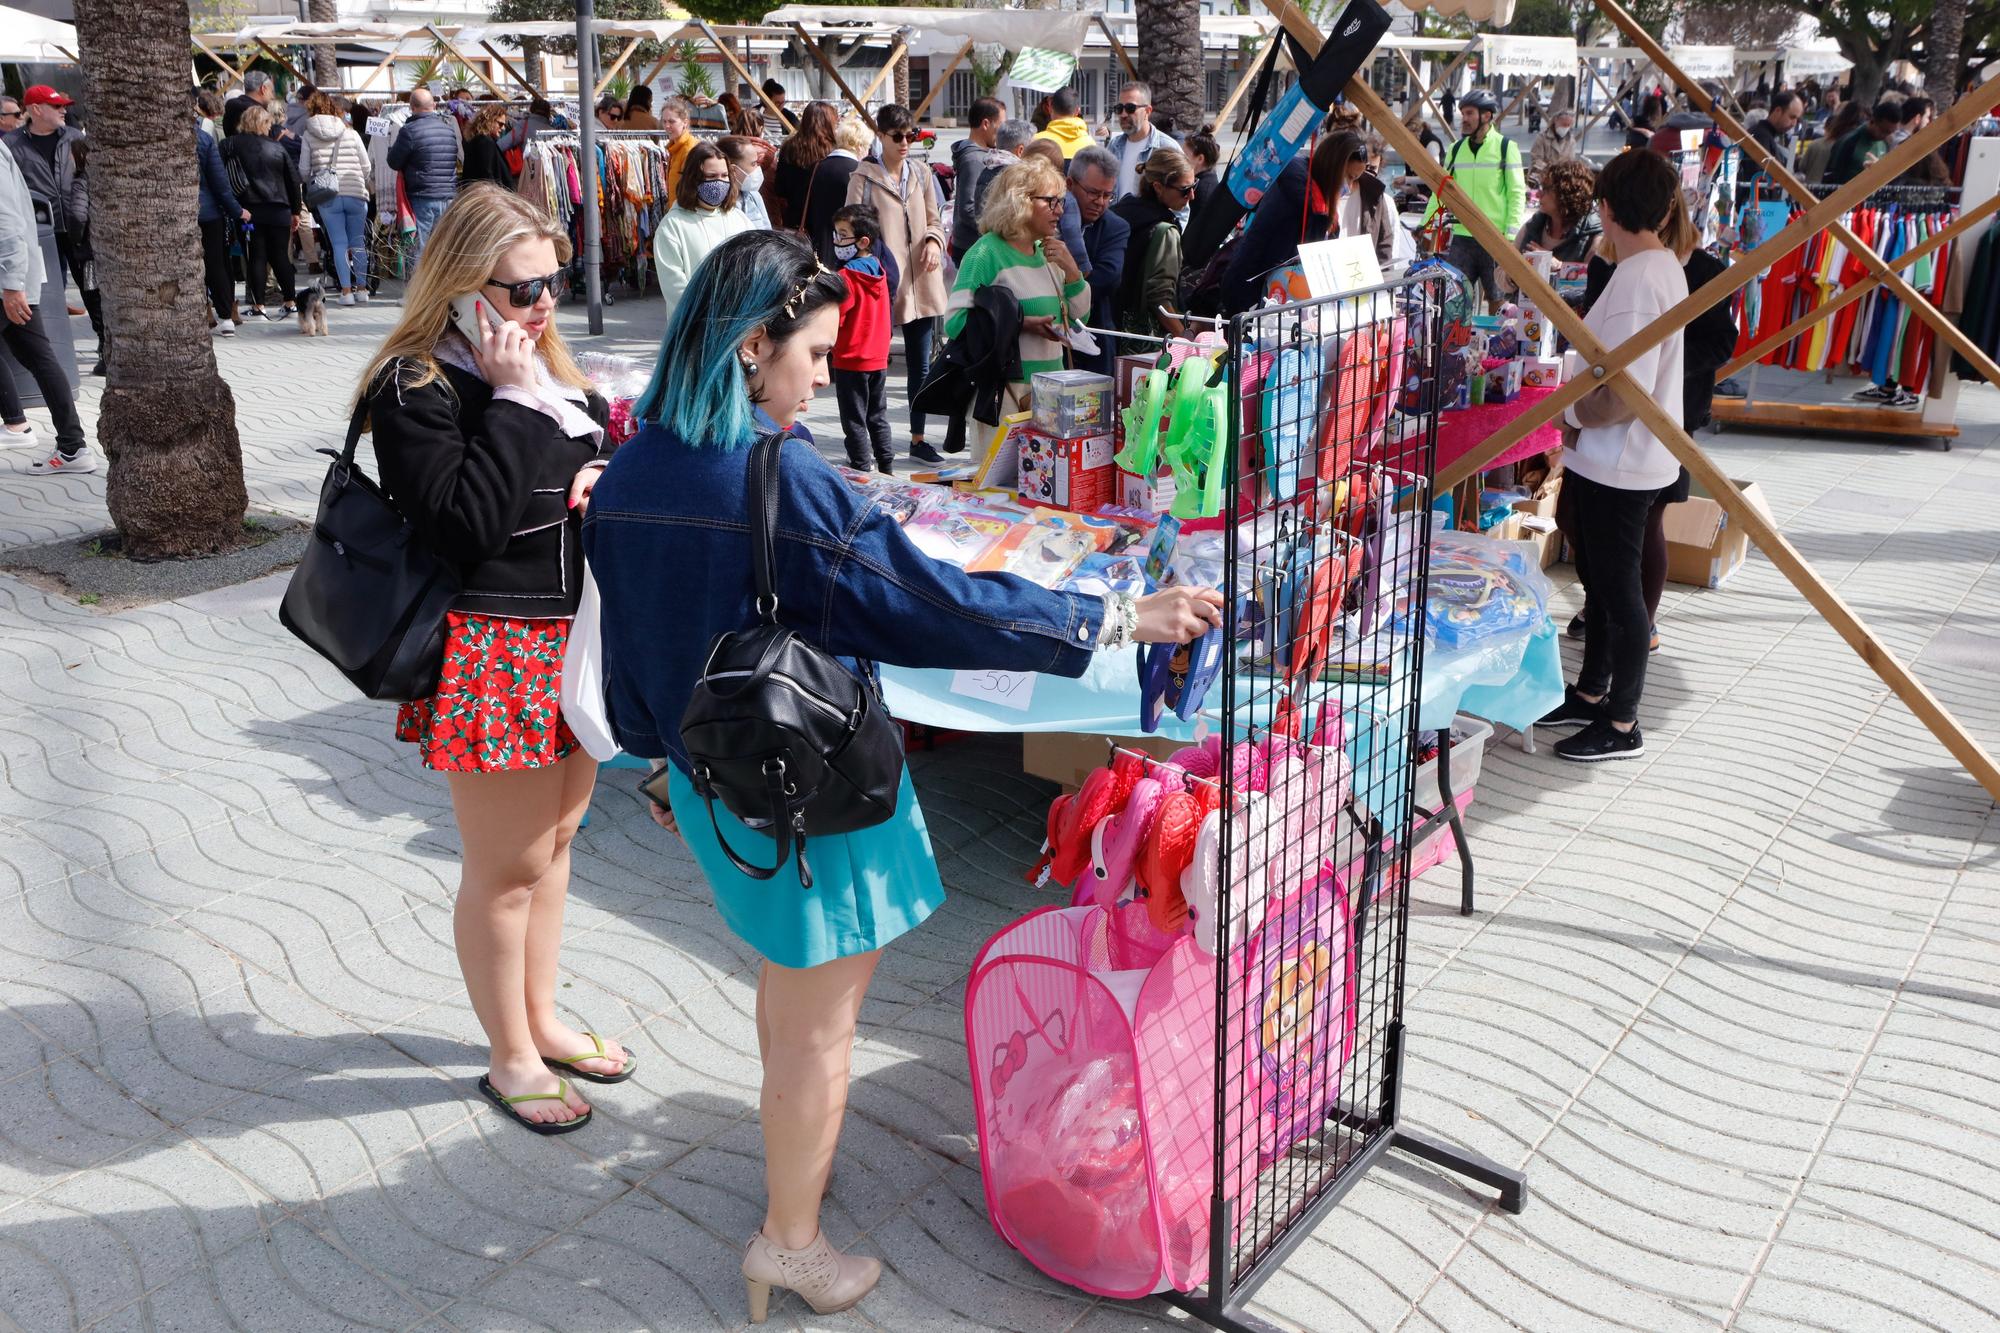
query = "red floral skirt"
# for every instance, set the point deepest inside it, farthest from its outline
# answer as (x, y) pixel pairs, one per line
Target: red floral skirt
(498, 705)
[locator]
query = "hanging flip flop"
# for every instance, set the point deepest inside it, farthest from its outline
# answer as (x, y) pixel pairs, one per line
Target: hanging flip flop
(507, 1105)
(569, 1066)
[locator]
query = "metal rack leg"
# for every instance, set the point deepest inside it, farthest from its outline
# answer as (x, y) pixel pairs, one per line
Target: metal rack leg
(1513, 1186)
(1458, 838)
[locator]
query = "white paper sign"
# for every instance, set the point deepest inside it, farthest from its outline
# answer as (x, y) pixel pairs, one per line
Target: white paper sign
(377, 125)
(1005, 689)
(1336, 267)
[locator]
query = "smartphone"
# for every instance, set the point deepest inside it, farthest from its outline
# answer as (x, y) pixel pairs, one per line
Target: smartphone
(469, 319)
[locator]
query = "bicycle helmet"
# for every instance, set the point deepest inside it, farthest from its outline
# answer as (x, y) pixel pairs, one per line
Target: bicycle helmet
(1479, 100)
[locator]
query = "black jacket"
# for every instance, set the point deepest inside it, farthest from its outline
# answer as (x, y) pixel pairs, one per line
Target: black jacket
(484, 161)
(826, 194)
(486, 484)
(264, 169)
(1206, 183)
(974, 369)
(1272, 237)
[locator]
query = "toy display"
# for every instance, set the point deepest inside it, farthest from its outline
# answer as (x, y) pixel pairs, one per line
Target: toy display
(1074, 474)
(1072, 403)
(1483, 589)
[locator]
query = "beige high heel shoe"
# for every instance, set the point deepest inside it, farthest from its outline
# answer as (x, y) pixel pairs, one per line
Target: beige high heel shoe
(829, 1280)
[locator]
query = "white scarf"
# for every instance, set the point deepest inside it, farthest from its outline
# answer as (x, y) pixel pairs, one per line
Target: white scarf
(554, 399)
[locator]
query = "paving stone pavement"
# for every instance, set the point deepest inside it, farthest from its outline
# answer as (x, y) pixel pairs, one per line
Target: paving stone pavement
(1731, 1006)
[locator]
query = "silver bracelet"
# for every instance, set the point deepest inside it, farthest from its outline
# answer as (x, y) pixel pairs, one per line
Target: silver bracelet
(1121, 621)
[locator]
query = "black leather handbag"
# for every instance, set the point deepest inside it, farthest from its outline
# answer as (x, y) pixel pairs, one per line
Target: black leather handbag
(787, 738)
(368, 596)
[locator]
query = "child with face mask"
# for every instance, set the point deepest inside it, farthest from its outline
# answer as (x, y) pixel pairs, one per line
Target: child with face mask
(861, 352)
(704, 215)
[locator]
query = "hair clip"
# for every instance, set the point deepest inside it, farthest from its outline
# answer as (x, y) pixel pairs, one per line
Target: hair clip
(791, 304)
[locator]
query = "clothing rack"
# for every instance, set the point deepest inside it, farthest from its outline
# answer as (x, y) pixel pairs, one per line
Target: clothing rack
(632, 197)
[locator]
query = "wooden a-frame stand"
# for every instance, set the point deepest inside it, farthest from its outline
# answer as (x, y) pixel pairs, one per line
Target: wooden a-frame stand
(1606, 366)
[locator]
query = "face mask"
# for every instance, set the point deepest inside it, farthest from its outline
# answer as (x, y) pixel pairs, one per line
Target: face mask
(754, 181)
(712, 193)
(845, 252)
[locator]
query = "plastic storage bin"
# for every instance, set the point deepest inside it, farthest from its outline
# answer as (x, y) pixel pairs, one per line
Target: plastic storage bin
(1469, 737)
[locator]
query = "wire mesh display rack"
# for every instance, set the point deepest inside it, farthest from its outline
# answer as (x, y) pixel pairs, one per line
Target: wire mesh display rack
(1334, 406)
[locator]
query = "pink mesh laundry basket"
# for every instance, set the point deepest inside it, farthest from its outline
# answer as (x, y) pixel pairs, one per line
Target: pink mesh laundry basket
(1092, 1044)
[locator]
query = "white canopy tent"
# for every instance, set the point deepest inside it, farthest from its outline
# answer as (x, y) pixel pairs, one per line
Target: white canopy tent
(1046, 29)
(30, 39)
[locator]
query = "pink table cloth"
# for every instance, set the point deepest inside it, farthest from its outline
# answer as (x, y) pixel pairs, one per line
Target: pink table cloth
(1460, 429)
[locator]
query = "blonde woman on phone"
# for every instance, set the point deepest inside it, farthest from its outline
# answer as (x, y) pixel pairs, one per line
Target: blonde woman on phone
(489, 441)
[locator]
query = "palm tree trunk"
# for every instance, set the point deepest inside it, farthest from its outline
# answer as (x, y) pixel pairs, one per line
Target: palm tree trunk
(326, 70)
(1943, 36)
(1170, 59)
(167, 423)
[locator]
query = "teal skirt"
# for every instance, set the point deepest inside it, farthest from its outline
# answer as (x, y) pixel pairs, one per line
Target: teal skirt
(868, 887)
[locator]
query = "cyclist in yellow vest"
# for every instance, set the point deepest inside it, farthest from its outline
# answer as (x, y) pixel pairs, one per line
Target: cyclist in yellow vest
(1487, 165)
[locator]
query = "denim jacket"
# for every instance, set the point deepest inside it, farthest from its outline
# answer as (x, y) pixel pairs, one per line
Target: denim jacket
(667, 537)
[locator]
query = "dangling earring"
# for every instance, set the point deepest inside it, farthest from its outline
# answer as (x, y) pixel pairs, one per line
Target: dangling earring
(749, 367)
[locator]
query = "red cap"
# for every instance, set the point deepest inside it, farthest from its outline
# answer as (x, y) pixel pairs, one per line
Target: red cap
(43, 95)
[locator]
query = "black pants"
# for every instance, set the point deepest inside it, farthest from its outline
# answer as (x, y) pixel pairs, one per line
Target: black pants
(29, 344)
(271, 243)
(1469, 257)
(215, 266)
(864, 417)
(73, 255)
(917, 336)
(1609, 526)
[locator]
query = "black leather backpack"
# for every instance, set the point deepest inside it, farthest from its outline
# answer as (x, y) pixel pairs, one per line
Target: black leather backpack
(787, 738)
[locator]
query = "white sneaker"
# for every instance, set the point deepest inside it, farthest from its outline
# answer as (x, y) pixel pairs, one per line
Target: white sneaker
(21, 438)
(225, 328)
(347, 298)
(361, 296)
(82, 461)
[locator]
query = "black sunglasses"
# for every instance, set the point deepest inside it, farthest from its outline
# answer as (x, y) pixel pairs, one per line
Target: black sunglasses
(1128, 108)
(525, 294)
(1184, 191)
(902, 136)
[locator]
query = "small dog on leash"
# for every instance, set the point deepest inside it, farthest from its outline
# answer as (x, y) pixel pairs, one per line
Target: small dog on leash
(312, 312)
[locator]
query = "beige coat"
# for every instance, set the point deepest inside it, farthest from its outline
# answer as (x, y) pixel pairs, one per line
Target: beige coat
(906, 221)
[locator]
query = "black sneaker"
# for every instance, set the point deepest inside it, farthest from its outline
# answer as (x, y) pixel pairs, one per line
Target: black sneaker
(923, 453)
(1730, 388)
(1885, 394)
(1576, 626)
(1600, 741)
(1573, 711)
(1904, 398)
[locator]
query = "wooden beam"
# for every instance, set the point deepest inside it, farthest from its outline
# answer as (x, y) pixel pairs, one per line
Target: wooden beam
(938, 85)
(1846, 418)
(896, 52)
(1243, 82)
(458, 55)
(1416, 81)
(1451, 133)
(819, 57)
(296, 71)
(1607, 367)
(729, 58)
(1918, 303)
(374, 73)
(631, 49)
(512, 73)
(1849, 295)
(1124, 57)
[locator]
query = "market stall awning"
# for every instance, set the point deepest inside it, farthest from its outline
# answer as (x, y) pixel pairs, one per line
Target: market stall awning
(1047, 29)
(1497, 12)
(649, 30)
(31, 39)
(1529, 57)
(1803, 61)
(1705, 62)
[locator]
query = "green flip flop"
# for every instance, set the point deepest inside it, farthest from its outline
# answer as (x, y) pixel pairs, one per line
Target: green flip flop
(568, 1066)
(507, 1105)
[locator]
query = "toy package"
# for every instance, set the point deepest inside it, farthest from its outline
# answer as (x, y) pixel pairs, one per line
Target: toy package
(1070, 404)
(1541, 372)
(1039, 553)
(1073, 474)
(1538, 333)
(956, 533)
(1483, 589)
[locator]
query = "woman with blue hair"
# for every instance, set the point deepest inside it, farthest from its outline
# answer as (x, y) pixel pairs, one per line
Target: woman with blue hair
(667, 537)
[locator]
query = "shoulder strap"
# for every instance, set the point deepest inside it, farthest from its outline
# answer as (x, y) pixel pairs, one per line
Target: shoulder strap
(766, 458)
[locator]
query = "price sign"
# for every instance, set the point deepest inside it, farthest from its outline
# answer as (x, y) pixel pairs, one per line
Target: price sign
(377, 125)
(1006, 689)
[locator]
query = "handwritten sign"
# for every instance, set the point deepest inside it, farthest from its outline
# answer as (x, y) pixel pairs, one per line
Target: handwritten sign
(1004, 689)
(377, 125)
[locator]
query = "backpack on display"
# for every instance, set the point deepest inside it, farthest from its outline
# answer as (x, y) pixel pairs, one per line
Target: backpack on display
(778, 730)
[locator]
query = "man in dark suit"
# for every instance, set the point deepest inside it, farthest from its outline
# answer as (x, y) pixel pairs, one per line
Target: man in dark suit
(1093, 179)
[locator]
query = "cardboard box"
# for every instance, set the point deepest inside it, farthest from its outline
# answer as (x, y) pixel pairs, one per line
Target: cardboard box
(1503, 383)
(1072, 474)
(1703, 546)
(1067, 757)
(1541, 372)
(1154, 495)
(1538, 333)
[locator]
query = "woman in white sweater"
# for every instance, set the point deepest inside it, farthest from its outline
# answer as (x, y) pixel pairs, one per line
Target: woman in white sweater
(332, 146)
(704, 215)
(1617, 467)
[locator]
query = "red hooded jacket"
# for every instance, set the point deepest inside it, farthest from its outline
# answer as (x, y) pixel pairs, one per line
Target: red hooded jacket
(865, 322)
